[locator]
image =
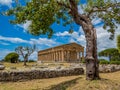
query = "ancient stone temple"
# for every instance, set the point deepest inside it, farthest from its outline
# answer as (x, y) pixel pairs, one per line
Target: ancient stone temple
(64, 53)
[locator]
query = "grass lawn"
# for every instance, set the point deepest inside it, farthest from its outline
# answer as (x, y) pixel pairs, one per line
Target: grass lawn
(32, 64)
(20, 64)
(109, 81)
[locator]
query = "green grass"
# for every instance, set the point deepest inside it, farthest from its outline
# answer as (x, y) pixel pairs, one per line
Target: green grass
(109, 81)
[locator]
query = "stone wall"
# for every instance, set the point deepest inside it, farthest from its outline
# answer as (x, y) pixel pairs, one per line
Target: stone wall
(109, 68)
(38, 74)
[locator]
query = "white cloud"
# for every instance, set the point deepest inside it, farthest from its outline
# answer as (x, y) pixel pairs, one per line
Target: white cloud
(4, 52)
(96, 21)
(13, 40)
(43, 41)
(39, 41)
(25, 26)
(4, 43)
(33, 56)
(6, 2)
(103, 40)
(80, 10)
(66, 33)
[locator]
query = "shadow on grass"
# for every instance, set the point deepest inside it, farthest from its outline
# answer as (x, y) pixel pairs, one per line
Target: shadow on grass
(64, 85)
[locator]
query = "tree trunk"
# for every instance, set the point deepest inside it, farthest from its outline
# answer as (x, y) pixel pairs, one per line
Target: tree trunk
(25, 60)
(92, 63)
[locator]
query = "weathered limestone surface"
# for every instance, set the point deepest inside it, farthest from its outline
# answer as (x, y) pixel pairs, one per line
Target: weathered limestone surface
(71, 52)
(38, 74)
(102, 68)
(109, 68)
(2, 67)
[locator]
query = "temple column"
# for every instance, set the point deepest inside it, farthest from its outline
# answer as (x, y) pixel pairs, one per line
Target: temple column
(62, 55)
(53, 56)
(58, 55)
(83, 55)
(50, 56)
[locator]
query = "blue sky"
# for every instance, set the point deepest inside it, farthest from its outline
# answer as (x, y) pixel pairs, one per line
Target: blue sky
(12, 36)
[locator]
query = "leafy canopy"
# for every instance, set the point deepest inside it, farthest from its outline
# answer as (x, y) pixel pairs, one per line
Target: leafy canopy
(43, 13)
(118, 43)
(11, 57)
(109, 52)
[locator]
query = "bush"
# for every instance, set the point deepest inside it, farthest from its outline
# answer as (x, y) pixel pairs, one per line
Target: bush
(103, 61)
(115, 62)
(11, 57)
(83, 61)
(32, 61)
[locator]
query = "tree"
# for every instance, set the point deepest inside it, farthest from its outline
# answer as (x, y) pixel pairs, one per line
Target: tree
(25, 52)
(43, 13)
(110, 52)
(118, 43)
(11, 57)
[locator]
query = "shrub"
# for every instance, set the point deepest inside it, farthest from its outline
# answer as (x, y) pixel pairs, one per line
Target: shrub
(115, 62)
(32, 61)
(103, 61)
(11, 57)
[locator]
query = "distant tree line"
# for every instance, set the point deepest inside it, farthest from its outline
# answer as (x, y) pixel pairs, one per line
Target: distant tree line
(112, 53)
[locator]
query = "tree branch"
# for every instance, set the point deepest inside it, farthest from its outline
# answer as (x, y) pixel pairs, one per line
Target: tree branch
(63, 4)
(103, 9)
(96, 10)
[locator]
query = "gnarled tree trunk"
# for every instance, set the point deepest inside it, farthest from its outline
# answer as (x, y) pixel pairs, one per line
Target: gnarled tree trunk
(92, 63)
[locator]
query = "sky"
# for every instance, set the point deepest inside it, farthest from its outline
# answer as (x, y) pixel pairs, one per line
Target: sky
(12, 36)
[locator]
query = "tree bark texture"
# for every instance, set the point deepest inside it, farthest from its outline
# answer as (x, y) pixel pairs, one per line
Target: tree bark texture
(92, 63)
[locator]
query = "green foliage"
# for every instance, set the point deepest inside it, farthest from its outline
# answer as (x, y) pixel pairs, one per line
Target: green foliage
(110, 52)
(11, 57)
(103, 61)
(115, 62)
(43, 13)
(118, 43)
(32, 60)
(107, 10)
(115, 58)
(83, 61)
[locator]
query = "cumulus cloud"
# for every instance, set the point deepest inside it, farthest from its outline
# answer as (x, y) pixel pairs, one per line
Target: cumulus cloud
(4, 43)
(96, 21)
(39, 41)
(4, 52)
(25, 26)
(6, 2)
(13, 40)
(33, 56)
(43, 41)
(103, 40)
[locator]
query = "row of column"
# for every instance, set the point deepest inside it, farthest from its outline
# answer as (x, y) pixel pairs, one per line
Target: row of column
(52, 56)
(61, 56)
